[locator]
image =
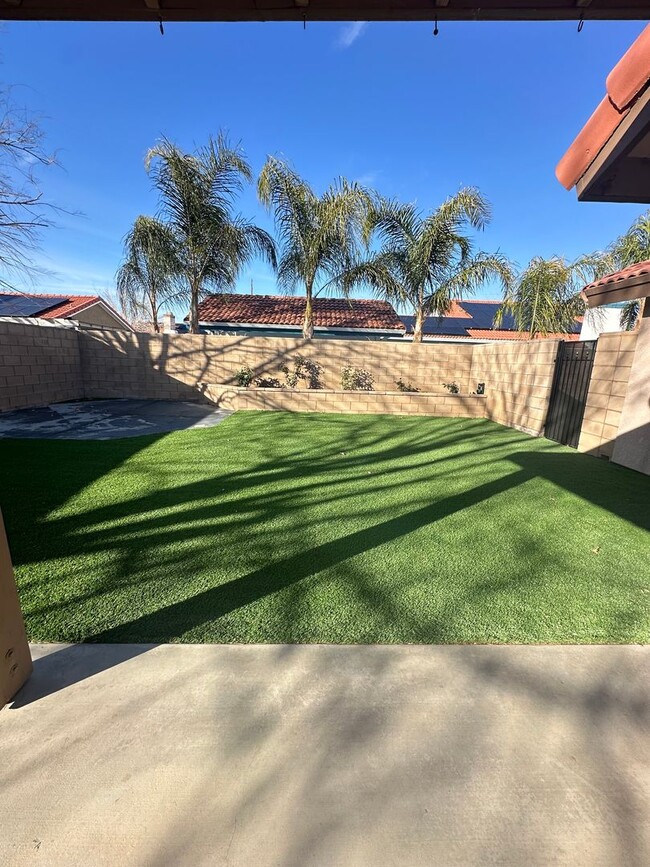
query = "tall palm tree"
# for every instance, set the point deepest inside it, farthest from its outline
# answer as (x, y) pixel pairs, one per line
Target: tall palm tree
(545, 297)
(197, 194)
(319, 234)
(428, 261)
(147, 279)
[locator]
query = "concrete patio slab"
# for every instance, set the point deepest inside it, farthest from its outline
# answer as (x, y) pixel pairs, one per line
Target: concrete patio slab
(333, 756)
(107, 419)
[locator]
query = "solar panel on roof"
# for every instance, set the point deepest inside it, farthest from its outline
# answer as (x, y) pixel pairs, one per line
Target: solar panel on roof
(25, 305)
(483, 315)
(453, 326)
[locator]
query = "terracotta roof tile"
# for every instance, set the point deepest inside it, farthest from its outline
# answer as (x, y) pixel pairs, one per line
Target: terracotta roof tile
(289, 310)
(69, 305)
(625, 83)
(628, 273)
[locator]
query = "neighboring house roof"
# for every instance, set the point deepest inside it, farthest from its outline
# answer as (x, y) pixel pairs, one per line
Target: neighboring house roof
(66, 308)
(42, 305)
(289, 311)
(625, 85)
(475, 322)
(624, 285)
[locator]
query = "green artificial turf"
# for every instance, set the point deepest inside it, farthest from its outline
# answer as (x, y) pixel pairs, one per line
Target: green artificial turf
(276, 527)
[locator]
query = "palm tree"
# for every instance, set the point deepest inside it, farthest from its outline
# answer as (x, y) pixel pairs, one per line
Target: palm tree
(319, 234)
(147, 279)
(197, 193)
(545, 298)
(428, 261)
(629, 249)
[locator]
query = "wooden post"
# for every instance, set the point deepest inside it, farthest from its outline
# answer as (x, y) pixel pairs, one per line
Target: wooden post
(15, 658)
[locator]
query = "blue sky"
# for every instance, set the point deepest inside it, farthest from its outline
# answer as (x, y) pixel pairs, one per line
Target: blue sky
(416, 116)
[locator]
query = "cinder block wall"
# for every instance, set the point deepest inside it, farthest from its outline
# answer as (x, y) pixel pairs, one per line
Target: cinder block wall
(518, 377)
(453, 406)
(39, 364)
(607, 390)
(117, 358)
(64, 365)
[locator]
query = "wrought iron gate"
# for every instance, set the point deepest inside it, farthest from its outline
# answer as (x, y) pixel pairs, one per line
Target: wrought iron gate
(569, 392)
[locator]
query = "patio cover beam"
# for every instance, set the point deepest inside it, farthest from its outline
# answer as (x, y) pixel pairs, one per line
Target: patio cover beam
(322, 10)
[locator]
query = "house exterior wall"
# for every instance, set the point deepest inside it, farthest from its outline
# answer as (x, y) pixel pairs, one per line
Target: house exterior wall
(518, 379)
(607, 389)
(98, 316)
(39, 364)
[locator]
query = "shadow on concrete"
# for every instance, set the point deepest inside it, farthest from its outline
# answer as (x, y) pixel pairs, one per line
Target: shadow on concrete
(61, 667)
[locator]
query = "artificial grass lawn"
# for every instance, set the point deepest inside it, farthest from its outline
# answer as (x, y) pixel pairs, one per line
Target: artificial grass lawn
(276, 527)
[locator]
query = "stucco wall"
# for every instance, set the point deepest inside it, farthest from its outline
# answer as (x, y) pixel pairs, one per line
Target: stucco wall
(100, 317)
(607, 390)
(518, 377)
(39, 364)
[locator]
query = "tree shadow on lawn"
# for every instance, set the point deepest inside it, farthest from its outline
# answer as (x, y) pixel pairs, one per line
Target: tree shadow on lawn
(611, 488)
(360, 459)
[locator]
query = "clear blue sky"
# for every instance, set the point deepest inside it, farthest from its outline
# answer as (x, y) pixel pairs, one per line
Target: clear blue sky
(493, 105)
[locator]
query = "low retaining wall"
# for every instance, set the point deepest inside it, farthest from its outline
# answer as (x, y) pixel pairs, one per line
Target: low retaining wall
(320, 400)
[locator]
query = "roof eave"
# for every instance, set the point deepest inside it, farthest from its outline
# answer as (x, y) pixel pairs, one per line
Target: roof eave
(628, 289)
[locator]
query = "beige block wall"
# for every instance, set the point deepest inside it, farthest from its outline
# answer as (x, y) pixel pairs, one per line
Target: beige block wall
(138, 365)
(39, 364)
(518, 377)
(396, 403)
(632, 446)
(607, 390)
(130, 365)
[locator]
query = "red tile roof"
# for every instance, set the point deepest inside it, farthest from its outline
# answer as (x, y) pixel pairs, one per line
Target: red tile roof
(289, 310)
(69, 305)
(625, 84)
(629, 273)
(494, 334)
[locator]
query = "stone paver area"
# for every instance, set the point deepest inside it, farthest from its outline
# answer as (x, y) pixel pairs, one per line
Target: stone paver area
(294, 756)
(107, 419)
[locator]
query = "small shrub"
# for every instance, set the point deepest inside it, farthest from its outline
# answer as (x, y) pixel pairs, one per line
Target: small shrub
(452, 387)
(356, 379)
(303, 369)
(244, 377)
(268, 382)
(405, 386)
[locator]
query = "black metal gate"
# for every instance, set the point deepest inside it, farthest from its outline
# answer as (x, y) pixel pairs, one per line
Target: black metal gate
(569, 392)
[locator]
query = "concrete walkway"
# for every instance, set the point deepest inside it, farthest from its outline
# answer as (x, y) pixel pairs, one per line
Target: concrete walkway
(330, 756)
(107, 419)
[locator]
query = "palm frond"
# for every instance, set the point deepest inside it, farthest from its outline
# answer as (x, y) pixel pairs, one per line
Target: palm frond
(630, 315)
(545, 298)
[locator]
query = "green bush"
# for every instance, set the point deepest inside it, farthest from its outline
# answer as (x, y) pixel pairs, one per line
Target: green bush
(356, 379)
(452, 387)
(303, 369)
(405, 386)
(268, 382)
(244, 377)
